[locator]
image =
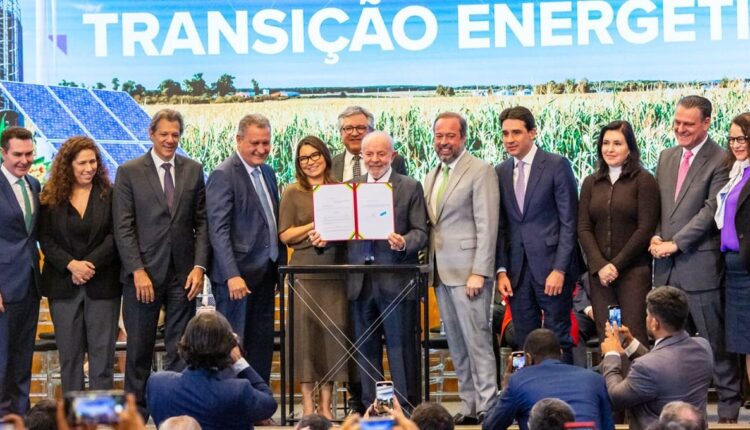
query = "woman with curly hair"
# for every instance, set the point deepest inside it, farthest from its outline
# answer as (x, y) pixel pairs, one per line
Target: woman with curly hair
(81, 266)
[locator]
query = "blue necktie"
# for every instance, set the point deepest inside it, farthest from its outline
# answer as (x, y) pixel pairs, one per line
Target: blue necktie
(270, 220)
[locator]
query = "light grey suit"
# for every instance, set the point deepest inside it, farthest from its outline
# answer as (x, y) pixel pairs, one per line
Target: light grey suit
(462, 242)
(678, 368)
(697, 268)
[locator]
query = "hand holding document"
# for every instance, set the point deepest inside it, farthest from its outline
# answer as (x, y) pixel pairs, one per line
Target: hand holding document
(353, 211)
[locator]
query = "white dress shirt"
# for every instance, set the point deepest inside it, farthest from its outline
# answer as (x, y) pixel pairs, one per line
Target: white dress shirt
(694, 150)
(527, 160)
(160, 171)
(13, 181)
(250, 169)
(385, 178)
(349, 165)
(439, 180)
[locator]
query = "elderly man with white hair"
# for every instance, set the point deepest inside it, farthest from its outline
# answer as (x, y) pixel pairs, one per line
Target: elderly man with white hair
(388, 296)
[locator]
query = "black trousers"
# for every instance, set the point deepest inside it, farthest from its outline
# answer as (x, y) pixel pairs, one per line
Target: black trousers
(140, 323)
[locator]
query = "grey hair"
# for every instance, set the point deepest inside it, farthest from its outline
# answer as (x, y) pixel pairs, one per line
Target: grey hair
(550, 414)
(182, 422)
(378, 134)
(685, 414)
(356, 110)
(170, 115)
(255, 119)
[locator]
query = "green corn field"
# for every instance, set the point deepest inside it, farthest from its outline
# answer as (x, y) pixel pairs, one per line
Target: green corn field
(566, 124)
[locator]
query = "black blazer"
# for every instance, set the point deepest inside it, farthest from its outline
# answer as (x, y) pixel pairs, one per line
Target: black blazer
(147, 234)
(100, 250)
(742, 224)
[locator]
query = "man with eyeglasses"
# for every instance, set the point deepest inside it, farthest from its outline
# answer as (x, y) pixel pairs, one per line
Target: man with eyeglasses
(382, 304)
(686, 243)
(355, 123)
(242, 198)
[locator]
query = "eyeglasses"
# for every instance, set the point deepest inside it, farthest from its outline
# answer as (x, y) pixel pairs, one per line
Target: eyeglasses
(739, 140)
(315, 156)
(349, 129)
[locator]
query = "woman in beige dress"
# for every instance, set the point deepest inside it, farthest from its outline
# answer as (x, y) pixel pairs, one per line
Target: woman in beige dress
(320, 310)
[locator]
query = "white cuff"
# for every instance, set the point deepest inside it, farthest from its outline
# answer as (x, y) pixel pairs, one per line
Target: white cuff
(240, 365)
(633, 347)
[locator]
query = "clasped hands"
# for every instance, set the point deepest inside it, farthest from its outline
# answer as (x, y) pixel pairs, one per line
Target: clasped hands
(81, 271)
(662, 249)
(608, 274)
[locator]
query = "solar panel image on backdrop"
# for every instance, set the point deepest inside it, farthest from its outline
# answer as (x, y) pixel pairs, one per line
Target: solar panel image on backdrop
(113, 119)
(91, 113)
(122, 152)
(40, 106)
(126, 110)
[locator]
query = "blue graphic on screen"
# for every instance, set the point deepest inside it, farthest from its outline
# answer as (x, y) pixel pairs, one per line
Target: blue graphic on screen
(54, 122)
(350, 42)
(88, 110)
(40, 106)
(127, 110)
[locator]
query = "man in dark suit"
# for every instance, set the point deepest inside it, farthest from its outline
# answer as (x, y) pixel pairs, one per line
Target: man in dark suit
(354, 124)
(679, 367)
(159, 218)
(686, 246)
(19, 269)
(546, 376)
(243, 209)
(383, 304)
(537, 254)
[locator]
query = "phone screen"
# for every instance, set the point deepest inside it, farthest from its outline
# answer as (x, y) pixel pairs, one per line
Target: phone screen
(7, 426)
(100, 407)
(384, 393)
(519, 360)
(615, 316)
(383, 423)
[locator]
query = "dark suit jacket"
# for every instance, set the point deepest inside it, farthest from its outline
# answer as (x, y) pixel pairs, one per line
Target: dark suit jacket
(410, 221)
(100, 250)
(689, 221)
(146, 234)
(546, 230)
(742, 224)
(680, 367)
(337, 166)
(237, 225)
(217, 400)
(582, 389)
(18, 249)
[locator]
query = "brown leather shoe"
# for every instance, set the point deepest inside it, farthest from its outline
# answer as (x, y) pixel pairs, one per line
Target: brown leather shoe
(727, 421)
